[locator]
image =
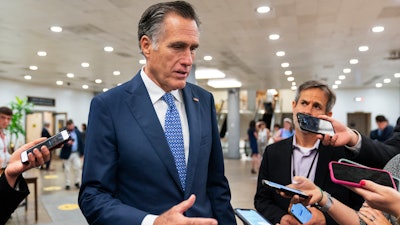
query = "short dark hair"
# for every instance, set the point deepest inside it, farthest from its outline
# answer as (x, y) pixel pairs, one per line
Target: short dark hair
(152, 19)
(6, 111)
(69, 122)
(380, 118)
(323, 87)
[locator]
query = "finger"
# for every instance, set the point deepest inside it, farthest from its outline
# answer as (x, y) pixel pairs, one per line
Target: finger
(185, 205)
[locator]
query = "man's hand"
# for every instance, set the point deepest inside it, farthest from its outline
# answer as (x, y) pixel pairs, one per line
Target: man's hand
(343, 134)
(174, 216)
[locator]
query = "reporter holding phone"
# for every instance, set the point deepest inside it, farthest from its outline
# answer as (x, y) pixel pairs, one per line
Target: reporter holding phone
(13, 188)
(306, 155)
(376, 196)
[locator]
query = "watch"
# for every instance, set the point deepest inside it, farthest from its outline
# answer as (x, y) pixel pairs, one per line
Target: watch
(328, 204)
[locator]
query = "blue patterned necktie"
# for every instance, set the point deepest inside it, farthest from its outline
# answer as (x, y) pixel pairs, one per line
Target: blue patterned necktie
(173, 133)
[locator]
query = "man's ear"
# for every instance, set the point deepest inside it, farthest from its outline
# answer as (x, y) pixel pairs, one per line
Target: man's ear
(145, 45)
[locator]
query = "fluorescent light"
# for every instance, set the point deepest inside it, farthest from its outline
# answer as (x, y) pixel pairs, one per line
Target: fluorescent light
(263, 9)
(108, 49)
(208, 58)
(397, 75)
(342, 77)
(378, 29)
(274, 36)
(285, 64)
(70, 75)
(288, 72)
(208, 73)
(358, 99)
(33, 67)
(335, 86)
(41, 53)
(56, 29)
(98, 81)
(27, 77)
(116, 73)
(387, 80)
(353, 61)
(280, 53)
(59, 82)
(363, 48)
(224, 83)
(346, 70)
(338, 82)
(85, 86)
(290, 79)
(378, 85)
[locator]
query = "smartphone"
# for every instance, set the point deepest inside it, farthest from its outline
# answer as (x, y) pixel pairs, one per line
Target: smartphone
(351, 175)
(251, 217)
(50, 143)
(314, 124)
(300, 212)
(395, 179)
(287, 190)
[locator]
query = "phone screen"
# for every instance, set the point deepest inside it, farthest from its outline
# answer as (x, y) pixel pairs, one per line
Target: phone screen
(287, 190)
(251, 217)
(348, 174)
(300, 212)
(314, 124)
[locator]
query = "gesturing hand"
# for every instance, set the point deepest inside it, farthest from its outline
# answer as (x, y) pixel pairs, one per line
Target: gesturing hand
(174, 216)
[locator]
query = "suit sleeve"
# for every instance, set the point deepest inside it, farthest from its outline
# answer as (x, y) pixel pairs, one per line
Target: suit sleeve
(99, 179)
(376, 154)
(10, 198)
(217, 184)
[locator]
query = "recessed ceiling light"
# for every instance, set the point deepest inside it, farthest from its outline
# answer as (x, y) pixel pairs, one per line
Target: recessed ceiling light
(59, 82)
(142, 61)
(346, 70)
(353, 61)
(335, 86)
(41, 53)
(280, 53)
(263, 9)
(56, 29)
(33, 67)
(293, 83)
(85, 64)
(338, 82)
(274, 36)
(290, 79)
(378, 85)
(293, 88)
(27, 77)
(116, 73)
(285, 64)
(363, 48)
(108, 49)
(378, 29)
(288, 72)
(387, 80)
(342, 77)
(98, 81)
(397, 75)
(224, 83)
(85, 86)
(208, 58)
(358, 99)
(208, 73)
(70, 75)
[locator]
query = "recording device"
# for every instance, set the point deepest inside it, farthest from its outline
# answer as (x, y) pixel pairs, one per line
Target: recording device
(395, 179)
(300, 212)
(314, 124)
(286, 190)
(351, 174)
(50, 143)
(251, 217)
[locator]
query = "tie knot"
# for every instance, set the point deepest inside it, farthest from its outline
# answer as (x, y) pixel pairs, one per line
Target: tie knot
(169, 99)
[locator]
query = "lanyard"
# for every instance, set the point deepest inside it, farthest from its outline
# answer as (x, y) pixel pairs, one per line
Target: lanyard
(3, 138)
(311, 166)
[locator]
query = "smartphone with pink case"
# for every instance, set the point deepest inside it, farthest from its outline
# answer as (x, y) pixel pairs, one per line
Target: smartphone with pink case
(351, 174)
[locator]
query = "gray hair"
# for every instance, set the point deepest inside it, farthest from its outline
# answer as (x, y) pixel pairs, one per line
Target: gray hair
(323, 87)
(151, 22)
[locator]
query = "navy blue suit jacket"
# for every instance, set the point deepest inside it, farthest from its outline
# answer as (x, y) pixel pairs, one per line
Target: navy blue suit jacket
(129, 171)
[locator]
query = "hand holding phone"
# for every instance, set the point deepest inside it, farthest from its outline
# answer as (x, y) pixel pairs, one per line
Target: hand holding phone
(300, 212)
(251, 217)
(50, 143)
(286, 190)
(351, 174)
(315, 125)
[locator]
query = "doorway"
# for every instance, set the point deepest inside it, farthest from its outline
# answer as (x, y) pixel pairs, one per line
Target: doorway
(360, 121)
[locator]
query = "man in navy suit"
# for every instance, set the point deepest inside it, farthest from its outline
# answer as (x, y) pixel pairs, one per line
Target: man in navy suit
(129, 173)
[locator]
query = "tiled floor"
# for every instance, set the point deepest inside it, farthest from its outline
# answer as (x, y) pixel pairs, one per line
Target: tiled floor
(58, 206)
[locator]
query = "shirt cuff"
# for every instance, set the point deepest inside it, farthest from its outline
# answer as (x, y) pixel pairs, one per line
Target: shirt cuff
(149, 219)
(356, 148)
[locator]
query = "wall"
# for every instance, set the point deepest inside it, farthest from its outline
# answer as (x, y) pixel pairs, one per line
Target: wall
(76, 103)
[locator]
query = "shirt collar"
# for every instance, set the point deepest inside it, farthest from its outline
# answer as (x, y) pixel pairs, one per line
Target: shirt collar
(155, 91)
(303, 149)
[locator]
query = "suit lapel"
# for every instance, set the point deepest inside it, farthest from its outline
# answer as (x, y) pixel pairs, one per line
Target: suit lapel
(325, 156)
(192, 106)
(139, 103)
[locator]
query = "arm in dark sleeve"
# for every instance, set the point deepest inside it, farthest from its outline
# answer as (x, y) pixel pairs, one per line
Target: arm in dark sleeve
(11, 197)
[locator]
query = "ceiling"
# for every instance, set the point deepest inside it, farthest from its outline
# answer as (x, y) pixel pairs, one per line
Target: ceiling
(319, 38)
